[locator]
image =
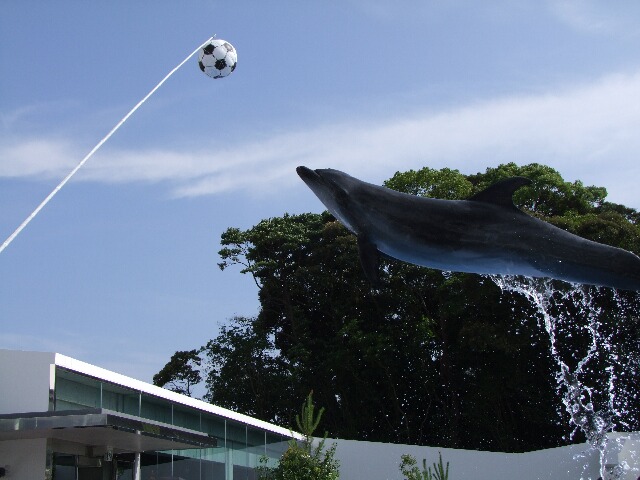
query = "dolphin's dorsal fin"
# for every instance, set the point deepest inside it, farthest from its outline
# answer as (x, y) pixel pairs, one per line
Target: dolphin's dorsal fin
(501, 193)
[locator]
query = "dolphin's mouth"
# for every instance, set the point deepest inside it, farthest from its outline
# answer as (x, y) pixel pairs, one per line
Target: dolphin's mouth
(307, 175)
(325, 187)
(330, 192)
(316, 182)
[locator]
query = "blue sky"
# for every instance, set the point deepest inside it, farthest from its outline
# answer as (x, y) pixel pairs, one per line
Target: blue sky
(120, 269)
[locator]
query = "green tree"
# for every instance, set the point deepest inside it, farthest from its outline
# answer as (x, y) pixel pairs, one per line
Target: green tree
(181, 372)
(246, 373)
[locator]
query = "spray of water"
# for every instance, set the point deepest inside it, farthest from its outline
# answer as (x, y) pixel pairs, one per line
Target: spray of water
(94, 150)
(596, 419)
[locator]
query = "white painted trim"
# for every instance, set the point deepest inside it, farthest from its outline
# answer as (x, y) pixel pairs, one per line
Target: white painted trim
(113, 377)
(99, 373)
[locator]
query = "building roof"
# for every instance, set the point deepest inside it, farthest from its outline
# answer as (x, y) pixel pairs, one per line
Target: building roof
(102, 374)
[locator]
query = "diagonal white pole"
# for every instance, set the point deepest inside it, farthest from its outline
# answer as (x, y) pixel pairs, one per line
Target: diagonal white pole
(94, 150)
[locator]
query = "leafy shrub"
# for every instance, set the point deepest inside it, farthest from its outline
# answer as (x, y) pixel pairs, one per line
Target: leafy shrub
(409, 468)
(302, 460)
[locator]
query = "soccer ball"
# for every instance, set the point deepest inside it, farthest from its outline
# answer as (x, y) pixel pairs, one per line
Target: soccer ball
(218, 58)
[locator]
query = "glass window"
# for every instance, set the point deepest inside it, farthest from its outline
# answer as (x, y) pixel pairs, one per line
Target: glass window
(239, 450)
(255, 439)
(64, 467)
(213, 470)
(186, 467)
(76, 392)
(275, 446)
(155, 408)
(237, 454)
(244, 473)
(214, 426)
(255, 446)
(236, 434)
(149, 466)
(186, 417)
(120, 399)
(123, 466)
(165, 465)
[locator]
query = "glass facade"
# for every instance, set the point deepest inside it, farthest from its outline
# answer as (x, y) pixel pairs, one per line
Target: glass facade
(240, 446)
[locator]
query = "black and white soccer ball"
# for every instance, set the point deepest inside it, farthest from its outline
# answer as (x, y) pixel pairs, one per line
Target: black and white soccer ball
(218, 58)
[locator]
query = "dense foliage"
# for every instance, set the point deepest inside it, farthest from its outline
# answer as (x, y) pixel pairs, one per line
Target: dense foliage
(437, 358)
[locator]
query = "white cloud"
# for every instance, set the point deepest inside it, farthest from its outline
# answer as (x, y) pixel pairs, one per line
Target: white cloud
(587, 132)
(35, 157)
(593, 16)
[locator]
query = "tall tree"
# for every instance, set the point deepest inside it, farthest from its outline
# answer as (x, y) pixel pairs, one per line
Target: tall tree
(181, 372)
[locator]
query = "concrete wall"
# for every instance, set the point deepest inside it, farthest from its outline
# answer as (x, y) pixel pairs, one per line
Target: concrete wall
(24, 459)
(25, 378)
(381, 461)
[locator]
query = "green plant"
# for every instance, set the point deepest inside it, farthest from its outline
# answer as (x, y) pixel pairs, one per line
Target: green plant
(302, 460)
(409, 468)
(307, 421)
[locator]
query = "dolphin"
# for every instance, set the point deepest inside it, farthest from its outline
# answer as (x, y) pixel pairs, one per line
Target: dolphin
(485, 234)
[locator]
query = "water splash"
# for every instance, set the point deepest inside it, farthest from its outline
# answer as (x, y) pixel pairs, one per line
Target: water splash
(595, 414)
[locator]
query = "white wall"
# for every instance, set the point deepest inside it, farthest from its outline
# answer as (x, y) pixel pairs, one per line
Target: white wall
(381, 461)
(24, 381)
(26, 459)
(625, 451)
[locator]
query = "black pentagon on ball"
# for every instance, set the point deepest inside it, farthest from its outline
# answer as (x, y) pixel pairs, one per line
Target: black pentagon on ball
(208, 50)
(201, 65)
(220, 64)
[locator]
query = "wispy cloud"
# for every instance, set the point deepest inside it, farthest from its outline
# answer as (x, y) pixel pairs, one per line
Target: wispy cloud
(36, 157)
(587, 132)
(598, 17)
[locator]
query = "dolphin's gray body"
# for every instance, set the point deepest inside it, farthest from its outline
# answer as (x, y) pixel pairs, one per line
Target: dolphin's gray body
(485, 234)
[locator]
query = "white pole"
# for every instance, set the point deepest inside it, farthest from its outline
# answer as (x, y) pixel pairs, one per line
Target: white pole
(136, 466)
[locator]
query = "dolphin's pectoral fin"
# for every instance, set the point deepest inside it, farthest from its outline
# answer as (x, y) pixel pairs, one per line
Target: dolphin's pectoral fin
(370, 260)
(501, 193)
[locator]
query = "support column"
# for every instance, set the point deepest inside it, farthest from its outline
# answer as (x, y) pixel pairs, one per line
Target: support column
(228, 464)
(136, 466)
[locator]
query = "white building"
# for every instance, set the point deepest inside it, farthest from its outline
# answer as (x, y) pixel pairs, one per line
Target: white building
(63, 419)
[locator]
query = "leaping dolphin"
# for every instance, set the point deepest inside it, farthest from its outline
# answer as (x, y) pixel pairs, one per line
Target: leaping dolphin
(485, 234)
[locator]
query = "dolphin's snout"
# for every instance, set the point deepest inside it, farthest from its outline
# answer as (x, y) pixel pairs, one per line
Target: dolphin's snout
(310, 177)
(304, 172)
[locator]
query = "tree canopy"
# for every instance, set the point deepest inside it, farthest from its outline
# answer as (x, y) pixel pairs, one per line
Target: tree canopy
(437, 358)
(181, 373)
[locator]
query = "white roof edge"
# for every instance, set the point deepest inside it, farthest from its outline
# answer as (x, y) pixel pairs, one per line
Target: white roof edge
(129, 382)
